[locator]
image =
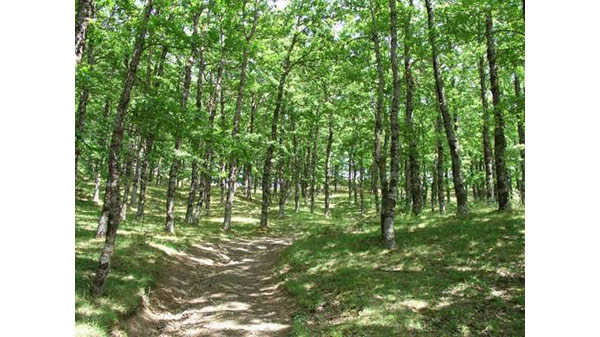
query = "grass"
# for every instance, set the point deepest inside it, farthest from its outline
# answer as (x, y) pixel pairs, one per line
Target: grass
(141, 249)
(447, 277)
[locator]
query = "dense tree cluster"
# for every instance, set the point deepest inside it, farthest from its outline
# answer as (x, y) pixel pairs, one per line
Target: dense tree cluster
(290, 99)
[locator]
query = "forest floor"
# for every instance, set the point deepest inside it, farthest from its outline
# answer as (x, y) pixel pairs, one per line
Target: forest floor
(306, 276)
(224, 289)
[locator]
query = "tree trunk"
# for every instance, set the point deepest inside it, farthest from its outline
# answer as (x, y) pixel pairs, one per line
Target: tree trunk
(144, 177)
(136, 177)
(388, 225)
(374, 187)
(127, 181)
(313, 165)
(85, 12)
(192, 194)
(459, 188)
(499, 139)
(487, 148)
(413, 162)
(171, 191)
(521, 131)
(82, 109)
(361, 185)
(266, 195)
(439, 165)
(327, 156)
(98, 178)
(113, 162)
(297, 168)
(171, 188)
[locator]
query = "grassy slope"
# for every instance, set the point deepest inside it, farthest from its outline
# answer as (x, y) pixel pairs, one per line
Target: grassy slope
(141, 249)
(447, 276)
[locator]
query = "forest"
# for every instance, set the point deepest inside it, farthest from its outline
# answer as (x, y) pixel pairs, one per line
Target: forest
(299, 167)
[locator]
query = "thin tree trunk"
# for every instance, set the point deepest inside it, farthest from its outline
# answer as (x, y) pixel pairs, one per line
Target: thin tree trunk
(388, 225)
(487, 147)
(361, 185)
(413, 162)
(499, 139)
(145, 177)
(171, 190)
(378, 158)
(459, 188)
(192, 194)
(297, 167)
(313, 170)
(85, 12)
(350, 175)
(521, 131)
(127, 180)
(266, 195)
(82, 109)
(374, 187)
(136, 177)
(439, 165)
(327, 156)
(98, 178)
(113, 162)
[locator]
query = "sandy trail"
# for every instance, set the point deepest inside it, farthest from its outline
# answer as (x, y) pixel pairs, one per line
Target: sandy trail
(225, 289)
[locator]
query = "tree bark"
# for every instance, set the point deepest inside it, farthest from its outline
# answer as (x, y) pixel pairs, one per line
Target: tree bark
(459, 188)
(499, 139)
(439, 165)
(327, 156)
(192, 194)
(487, 147)
(236, 124)
(413, 162)
(136, 177)
(85, 12)
(127, 178)
(113, 162)
(98, 178)
(388, 225)
(82, 109)
(266, 195)
(378, 157)
(144, 177)
(313, 165)
(170, 216)
(521, 131)
(361, 185)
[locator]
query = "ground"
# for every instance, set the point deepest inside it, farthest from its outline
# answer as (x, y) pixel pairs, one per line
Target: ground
(305, 276)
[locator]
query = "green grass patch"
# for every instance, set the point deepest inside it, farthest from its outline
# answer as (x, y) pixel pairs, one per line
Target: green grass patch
(448, 276)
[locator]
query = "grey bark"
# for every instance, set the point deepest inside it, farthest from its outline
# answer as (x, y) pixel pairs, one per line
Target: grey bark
(266, 195)
(378, 157)
(85, 11)
(388, 225)
(521, 130)
(327, 158)
(487, 147)
(499, 139)
(113, 162)
(459, 188)
(413, 162)
(171, 190)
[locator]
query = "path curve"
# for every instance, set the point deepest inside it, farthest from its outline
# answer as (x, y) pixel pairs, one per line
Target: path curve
(224, 289)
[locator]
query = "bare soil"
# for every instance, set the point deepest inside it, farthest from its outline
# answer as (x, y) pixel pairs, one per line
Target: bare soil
(224, 289)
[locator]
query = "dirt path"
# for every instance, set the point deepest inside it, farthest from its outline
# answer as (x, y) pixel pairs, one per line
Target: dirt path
(225, 289)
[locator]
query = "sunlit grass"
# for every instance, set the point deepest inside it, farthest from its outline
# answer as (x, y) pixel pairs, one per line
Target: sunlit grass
(448, 276)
